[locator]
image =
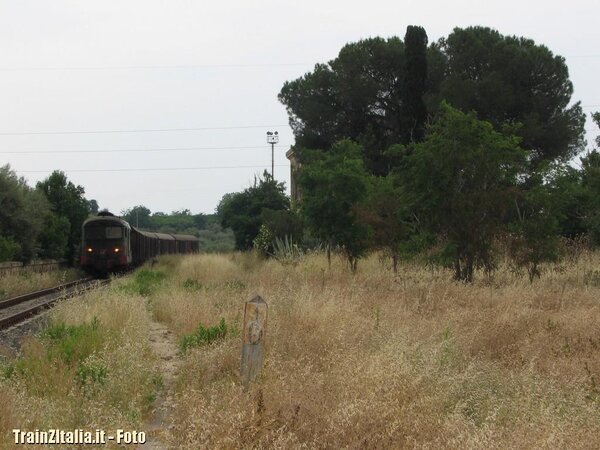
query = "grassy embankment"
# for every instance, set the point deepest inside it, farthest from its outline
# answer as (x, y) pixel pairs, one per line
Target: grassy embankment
(362, 361)
(25, 282)
(92, 368)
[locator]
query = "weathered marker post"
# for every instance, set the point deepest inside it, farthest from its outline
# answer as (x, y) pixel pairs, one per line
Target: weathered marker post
(253, 338)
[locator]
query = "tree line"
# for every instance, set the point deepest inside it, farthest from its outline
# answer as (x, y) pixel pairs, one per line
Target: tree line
(45, 221)
(451, 150)
(42, 221)
(212, 236)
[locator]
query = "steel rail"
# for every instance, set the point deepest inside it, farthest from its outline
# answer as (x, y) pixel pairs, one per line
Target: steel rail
(65, 291)
(32, 295)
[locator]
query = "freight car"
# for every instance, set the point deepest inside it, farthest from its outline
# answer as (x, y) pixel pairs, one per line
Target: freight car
(110, 244)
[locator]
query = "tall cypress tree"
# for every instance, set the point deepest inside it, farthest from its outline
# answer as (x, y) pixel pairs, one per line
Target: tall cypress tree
(414, 111)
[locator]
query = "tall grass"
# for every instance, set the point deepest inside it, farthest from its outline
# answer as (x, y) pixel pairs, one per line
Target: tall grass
(374, 360)
(92, 368)
(370, 360)
(25, 282)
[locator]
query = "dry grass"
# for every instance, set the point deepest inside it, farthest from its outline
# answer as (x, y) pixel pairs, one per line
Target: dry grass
(25, 282)
(377, 361)
(42, 389)
(365, 361)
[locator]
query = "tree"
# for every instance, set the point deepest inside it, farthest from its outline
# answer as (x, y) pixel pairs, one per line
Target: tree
(590, 180)
(385, 212)
(596, 118)
(66, 201)
(54, 237)
(94, 207)
(414, 111)
(333, 183)
(566, 184)
(283, 223)
(22, 215)
(460, 183)
(356, 96)
(534, 234)
(510, 80)
(242, 211)
(138, 216)
(380, 92)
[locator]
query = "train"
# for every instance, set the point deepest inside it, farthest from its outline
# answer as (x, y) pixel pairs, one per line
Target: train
(110, 244)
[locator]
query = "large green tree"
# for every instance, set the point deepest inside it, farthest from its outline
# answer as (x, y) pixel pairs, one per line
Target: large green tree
(23, 212)
(243, 211)
(512, 80)
(590, 178)
(414, 112)
(66, 201)
(358, 96)
(376, 90)
(333, 184)
(461, 185)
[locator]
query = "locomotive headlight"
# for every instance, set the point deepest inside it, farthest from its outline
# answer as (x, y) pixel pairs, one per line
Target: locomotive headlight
(89, 250)
(116, 250)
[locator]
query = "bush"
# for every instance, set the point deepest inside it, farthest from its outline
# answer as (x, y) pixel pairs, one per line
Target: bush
(9, 249)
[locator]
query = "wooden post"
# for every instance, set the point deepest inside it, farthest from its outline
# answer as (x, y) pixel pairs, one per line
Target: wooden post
(253, 338)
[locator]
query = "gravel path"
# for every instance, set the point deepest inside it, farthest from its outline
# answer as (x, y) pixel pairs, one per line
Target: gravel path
(164, 345)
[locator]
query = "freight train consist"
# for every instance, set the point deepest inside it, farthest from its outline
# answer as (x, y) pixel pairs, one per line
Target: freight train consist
(110, 244)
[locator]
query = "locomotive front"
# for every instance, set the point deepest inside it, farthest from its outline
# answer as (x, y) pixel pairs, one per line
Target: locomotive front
(105, 247)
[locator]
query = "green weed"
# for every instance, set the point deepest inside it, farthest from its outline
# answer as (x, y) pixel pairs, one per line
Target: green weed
(192, 285)
(91, 373)
(145, 282)
(74, 343)
(203, 335)
(235, 285)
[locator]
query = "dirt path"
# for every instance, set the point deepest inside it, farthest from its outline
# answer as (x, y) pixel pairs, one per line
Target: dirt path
(164, 345)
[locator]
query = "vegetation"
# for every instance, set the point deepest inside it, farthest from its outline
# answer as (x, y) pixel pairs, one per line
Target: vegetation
(203, 336)
(93, 361)
(461, 183)
(451, 152)
(70, 209)
(44, 222)
(243, 211)
(22, 217)
(333, 183)
(408, 360)
(207, 227)
(20, 283)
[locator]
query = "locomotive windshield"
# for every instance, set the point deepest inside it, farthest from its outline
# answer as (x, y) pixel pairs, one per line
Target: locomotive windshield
(103, 236)
(101, 233)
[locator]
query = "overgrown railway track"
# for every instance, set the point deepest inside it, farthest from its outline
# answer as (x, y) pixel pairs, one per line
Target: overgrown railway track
(17, 309)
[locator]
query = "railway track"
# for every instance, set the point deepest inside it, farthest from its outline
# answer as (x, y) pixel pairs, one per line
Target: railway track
(17, 309)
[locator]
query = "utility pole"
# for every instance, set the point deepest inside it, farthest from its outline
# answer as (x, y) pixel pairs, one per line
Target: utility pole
(272, 138)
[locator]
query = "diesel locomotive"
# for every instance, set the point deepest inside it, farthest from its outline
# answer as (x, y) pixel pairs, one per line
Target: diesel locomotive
(110, 244)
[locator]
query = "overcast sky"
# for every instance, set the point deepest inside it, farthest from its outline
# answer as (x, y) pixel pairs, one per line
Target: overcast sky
(215, 67)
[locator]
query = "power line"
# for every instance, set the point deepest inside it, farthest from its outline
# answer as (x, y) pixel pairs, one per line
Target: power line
(151, 130)
(123, 150)
(153, 67)
(158, 169)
